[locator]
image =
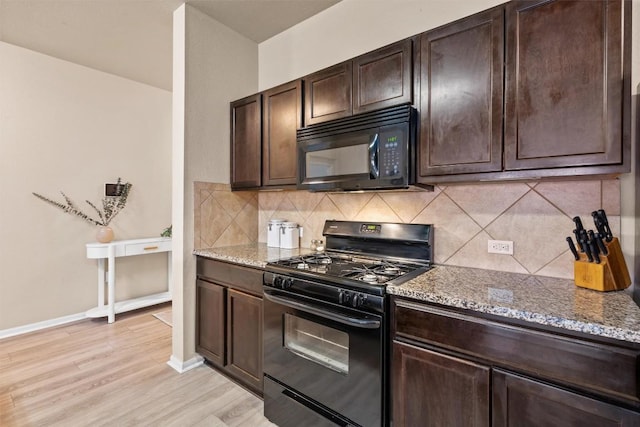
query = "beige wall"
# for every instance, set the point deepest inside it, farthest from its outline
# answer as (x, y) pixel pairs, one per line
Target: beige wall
(350, 28)
(72, 128)
(213, 65)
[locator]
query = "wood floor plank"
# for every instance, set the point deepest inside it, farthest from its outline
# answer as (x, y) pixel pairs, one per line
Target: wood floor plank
(91, 373)
(29, 341)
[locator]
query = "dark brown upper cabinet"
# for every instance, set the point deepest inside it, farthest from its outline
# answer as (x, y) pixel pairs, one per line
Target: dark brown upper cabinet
(564, 91)
(328, 94)
(563, 108)
(382, 78)
(246, 143)
(461, 96)
(263, 138)
(375, 80)
(281, 117)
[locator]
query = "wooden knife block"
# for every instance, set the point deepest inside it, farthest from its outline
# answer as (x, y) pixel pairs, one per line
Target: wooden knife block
(610, 275)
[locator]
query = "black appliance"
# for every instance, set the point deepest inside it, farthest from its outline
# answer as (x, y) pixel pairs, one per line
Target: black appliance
(368, 151)
(326, 323)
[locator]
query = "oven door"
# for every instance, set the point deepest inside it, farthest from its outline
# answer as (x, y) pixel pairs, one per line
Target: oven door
(326, 358)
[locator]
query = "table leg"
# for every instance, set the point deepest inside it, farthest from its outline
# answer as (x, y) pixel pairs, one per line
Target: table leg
(101, 282)
(111, 283)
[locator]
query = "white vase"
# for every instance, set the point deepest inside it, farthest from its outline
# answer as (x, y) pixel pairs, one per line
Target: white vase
(104, 234)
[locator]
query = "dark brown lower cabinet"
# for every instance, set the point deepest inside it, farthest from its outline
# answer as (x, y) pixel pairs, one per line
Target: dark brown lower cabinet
(244, 337)
(456, 368)
(523, 402)
(211, 321)
(432, 389)
(229, 320)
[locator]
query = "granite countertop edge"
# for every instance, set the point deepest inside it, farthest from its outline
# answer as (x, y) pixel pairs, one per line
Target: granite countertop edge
(539, 300)
(528, 316)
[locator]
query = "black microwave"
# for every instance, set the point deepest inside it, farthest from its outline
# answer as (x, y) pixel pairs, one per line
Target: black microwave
(369, 151)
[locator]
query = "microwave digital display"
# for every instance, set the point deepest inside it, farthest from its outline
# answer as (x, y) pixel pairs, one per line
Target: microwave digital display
(392, 153)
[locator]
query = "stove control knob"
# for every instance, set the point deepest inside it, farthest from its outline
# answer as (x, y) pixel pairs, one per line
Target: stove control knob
(277, 281)
(357, 300)
(343, 297)
(287, 283)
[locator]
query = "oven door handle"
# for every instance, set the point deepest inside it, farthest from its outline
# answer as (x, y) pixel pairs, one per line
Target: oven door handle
(322, 312)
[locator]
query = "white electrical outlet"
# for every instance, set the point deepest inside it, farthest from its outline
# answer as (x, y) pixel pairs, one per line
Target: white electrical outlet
(504, 247)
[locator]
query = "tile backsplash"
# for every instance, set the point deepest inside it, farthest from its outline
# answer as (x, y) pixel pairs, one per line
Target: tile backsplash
(223, 217)
(535, 216)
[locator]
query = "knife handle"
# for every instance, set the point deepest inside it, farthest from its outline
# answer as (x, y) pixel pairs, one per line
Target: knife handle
(578, 222)
(597, 220)
(577, 234)
(594, 250)
(587, 250)
(585, 237)
(601, 245)
(573, 248)
(608, 235)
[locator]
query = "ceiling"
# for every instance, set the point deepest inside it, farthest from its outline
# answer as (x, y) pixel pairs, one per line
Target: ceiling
(133, 38)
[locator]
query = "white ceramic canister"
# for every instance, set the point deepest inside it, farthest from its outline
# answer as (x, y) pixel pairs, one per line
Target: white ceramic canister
(290, 235)
(273, 232)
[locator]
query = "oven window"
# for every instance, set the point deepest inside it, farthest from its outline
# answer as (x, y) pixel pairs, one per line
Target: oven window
(350, 160)
(321, 344)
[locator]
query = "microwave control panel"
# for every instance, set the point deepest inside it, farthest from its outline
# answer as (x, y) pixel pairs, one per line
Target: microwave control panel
(391, 153)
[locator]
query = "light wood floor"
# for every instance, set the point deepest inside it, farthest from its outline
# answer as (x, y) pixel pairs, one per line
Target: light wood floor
(92, 373)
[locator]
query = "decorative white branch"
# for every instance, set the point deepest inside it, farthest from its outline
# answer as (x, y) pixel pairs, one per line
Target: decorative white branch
(111, 206)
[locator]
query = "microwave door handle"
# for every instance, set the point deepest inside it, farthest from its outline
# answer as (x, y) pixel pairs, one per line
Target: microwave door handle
(374, 171)
(321, 312)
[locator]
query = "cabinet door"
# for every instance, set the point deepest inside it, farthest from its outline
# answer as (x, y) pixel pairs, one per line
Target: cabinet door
(210, 300)
(521, 402)
(328, 94)
(244, 337)
(461, 82)
(281, 117)
(433, 389)
(246, 140)
(383, 78)
(563, 88)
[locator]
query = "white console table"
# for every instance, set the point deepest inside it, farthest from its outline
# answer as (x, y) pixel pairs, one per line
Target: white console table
(107, 277)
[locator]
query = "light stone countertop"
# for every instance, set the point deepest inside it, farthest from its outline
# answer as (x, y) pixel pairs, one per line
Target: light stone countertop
(253, 255)
(537, 299)
(544, 300)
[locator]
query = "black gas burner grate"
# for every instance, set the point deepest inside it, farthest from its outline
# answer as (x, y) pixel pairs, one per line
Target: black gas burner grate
(359, 268)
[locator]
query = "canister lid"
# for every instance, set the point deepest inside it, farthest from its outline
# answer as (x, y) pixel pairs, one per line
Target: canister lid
(289, 224)
(276, 221)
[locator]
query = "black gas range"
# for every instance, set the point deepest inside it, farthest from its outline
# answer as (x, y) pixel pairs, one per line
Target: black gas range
(326, 323)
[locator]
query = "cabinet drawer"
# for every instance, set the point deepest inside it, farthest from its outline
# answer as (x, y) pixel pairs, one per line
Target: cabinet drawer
(599, 367)
(147, 248)
(232, 275)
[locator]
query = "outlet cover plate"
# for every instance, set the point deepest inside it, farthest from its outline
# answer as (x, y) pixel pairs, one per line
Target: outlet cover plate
(504, 247)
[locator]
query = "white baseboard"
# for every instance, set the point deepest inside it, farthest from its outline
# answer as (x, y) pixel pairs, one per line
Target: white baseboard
(19, 330)
(187, 365)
